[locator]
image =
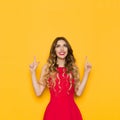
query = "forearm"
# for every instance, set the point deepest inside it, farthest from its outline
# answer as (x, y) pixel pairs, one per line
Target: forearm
(82, 84)
(35, 83)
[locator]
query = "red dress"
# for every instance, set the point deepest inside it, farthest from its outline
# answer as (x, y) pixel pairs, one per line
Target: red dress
(62, 105)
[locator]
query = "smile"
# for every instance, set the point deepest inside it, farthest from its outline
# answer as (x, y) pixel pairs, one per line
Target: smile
(61, 53)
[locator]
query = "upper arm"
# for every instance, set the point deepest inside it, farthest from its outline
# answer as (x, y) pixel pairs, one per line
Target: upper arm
(42, 76)
(77, 87)
(76, 75)
(42, 82)
(77, 83)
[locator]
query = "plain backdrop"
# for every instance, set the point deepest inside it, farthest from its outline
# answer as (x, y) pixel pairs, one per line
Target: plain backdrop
(28, 28)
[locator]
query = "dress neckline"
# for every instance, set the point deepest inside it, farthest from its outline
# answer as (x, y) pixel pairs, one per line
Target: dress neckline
(61, 67)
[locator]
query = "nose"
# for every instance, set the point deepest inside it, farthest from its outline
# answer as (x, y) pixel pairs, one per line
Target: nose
(62, 48)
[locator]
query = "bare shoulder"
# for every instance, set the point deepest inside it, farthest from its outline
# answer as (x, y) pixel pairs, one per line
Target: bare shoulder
(44, 68)
(43, 72)
(75, 67)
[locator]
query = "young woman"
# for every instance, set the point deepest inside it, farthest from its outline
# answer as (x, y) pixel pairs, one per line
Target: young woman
(60, 74)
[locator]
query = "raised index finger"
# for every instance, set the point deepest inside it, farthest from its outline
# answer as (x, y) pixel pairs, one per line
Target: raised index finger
(34, 59)
(86, 59)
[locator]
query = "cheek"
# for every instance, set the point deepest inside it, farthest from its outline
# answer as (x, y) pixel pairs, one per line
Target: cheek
(56, 50)
(66, 49)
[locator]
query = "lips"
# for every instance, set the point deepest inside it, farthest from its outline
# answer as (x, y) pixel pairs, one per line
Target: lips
(61, 53)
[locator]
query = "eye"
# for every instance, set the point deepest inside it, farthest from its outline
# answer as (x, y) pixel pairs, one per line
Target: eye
(65, 45)
(57, 46)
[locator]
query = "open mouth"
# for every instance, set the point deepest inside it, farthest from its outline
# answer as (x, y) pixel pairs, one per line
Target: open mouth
(61, 53)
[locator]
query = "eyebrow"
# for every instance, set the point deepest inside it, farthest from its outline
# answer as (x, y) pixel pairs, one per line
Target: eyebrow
(59, 44)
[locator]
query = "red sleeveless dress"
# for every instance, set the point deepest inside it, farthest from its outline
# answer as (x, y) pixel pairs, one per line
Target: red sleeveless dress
(62, 105)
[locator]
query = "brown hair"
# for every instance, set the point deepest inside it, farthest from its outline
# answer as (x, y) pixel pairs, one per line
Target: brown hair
(70, 66)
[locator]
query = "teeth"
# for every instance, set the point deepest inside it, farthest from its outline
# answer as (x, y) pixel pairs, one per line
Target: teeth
(61, 53)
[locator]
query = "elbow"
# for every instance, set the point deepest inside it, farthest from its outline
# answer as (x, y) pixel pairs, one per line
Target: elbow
(78, 93)
(38, 93)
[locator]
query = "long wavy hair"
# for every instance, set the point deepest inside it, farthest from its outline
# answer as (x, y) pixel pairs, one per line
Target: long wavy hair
(51, 69)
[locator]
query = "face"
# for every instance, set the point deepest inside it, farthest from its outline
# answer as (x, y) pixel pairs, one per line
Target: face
(61, 49)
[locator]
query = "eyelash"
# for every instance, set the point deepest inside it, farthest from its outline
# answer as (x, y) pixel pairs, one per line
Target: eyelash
(57, 46)
(65, 45)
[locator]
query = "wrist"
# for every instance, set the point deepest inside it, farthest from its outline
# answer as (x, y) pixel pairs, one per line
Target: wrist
(33, 72)
(86, 72)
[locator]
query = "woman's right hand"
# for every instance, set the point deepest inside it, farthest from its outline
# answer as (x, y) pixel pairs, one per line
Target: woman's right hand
(34, 65)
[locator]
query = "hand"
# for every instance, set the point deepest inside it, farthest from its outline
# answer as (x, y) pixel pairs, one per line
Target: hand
(88, 66)
(34, 65)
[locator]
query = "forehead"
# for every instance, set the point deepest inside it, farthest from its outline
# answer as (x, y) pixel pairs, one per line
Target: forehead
(61, 42)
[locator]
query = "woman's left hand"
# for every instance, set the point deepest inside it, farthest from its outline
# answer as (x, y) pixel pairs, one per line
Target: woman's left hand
(88, 66)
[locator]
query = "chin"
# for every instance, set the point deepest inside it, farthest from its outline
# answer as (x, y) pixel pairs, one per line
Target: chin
(61, 57)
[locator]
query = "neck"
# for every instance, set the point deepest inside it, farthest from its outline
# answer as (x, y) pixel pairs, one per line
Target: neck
(60, 62)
